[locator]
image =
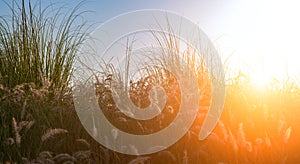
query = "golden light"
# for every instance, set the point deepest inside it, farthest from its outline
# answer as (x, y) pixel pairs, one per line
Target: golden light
(265, 40)
(259, 79)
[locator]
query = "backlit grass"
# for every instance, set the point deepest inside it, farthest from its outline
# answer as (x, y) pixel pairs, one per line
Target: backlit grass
(37, 54)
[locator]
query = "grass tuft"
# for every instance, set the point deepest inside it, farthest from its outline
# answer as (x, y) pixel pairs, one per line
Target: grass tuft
(38, 45)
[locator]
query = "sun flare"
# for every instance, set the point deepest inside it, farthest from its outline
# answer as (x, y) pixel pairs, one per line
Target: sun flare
(260, 79)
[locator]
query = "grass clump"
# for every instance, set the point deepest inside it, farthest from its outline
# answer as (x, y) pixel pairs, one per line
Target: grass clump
(38, 45)
(37, 49)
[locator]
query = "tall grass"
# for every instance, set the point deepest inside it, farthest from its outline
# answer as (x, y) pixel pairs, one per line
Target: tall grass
(254, 128)
(37, 51)
(38, 44)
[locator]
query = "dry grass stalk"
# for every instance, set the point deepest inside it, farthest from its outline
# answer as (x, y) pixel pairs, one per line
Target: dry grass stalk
(84, 142)
(26, 124)
(62, 158)
(287, 135)
(16, 131)
(46, 155)
(9, 142)
(50, 133)
(23, 108)
(224, 131)
(268, 141)
(140, 160)
(233, 141)
(82, 155)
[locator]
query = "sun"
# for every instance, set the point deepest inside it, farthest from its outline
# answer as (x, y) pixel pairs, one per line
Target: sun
(267, 75)
(260, 79)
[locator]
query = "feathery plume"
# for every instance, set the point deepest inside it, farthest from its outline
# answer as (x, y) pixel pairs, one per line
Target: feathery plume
(52, 132)
(17, 134)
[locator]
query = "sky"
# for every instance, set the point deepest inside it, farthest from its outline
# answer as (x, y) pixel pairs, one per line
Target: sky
(259, 36)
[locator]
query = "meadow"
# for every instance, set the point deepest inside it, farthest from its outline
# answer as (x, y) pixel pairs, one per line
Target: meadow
(39, 123)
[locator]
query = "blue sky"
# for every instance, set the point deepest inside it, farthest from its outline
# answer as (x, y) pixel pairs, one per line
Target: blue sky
(207, 13)
(213, 16)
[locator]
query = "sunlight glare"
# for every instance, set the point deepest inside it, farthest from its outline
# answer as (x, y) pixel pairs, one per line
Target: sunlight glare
(260, 79)
(266, 35)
